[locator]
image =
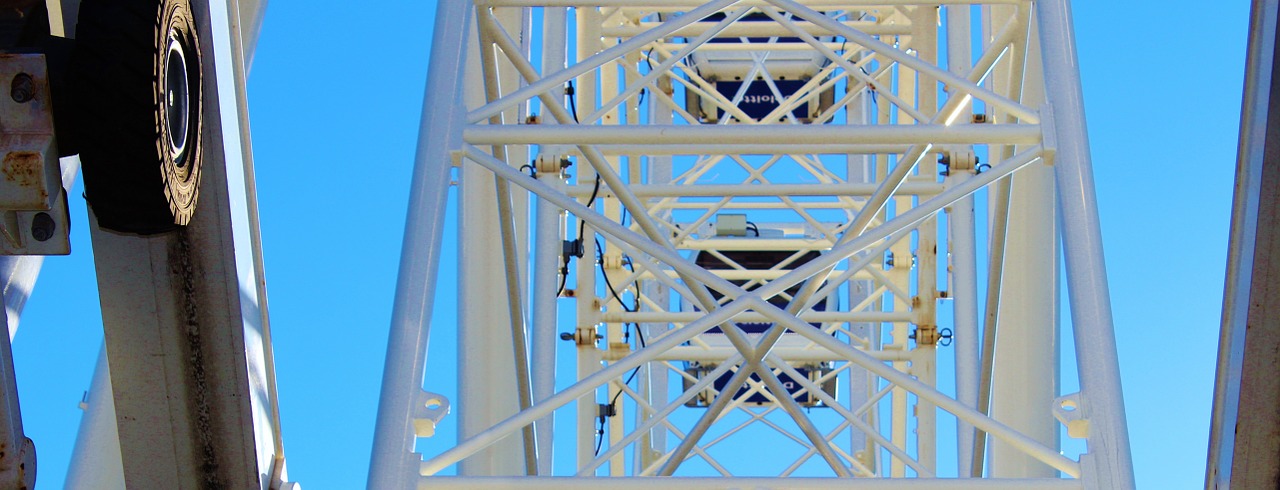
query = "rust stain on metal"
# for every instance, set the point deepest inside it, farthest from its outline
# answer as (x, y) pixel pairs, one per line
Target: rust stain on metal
(23, 167)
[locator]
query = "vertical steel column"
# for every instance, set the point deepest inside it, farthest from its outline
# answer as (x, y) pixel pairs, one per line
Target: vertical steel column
(964, 261)
(1023, 386)
(656, 374)
(925, 357)
(1026, 345)
(394, 464)
(861, 384)
(487, 373)
(588, 21)
(1102, 403)
(548, 236)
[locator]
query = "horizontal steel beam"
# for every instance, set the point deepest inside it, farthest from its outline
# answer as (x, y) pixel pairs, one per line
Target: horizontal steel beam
(749, 316)
(716, 148)
(733, 483)
(736, 190)
(757, 29)
(786, 136)
(790, 354)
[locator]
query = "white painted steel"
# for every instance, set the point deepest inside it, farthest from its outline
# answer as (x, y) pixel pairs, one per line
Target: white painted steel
(95, 458)
(1026, 347)
(721, 354)
(712, 483)
(1103, 403)
(490, 353)
(1010, 78)
(394, 461)
(806, 138)
(962, 247)
(548, 236)
(1027, 335)
(546, 276)
(749, 299)
(656, 182)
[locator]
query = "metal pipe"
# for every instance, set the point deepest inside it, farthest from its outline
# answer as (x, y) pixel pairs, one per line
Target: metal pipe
(850, 70)
(759, 189)
(803, 137)
(792, 407)
(782, 45)
(742, 301)
(700, 291)
(511, 266)
(440, 131)
(754, 29)
(734, 483)
(558, 79)
(1024, 113)
(604, 171)
(641, 218)
(584, 386)
(923, 391)
(808, 316)
(515, 309)
(663, 67)
(797, 354)
(964, 260)
(900, 173)
(661, 415)
(717, 406)
(905, 220)
(547, 239)
(665, 254)
(851, 417)
(715, 148)
(1098, 363)
(1000, 198)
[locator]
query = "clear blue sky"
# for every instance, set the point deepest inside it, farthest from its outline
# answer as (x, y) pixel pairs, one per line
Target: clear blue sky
(335, 95)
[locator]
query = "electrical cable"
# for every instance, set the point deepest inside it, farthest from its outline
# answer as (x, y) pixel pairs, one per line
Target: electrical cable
(573, 101)
(564, 270)
(639, 335)
(533, 171)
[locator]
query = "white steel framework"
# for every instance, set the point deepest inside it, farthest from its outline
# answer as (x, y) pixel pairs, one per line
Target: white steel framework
(736, 239)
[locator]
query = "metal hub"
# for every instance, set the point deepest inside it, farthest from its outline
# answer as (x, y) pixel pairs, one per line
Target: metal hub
(177, 99)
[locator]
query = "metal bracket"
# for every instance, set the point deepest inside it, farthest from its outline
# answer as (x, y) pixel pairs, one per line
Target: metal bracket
(1069, 410)
(962, 160)
(1048, 134)
(552, 162)
(33, 203)
(430, 410)
(926, 335)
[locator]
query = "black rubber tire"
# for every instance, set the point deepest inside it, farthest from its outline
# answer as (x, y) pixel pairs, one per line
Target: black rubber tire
(141, 163)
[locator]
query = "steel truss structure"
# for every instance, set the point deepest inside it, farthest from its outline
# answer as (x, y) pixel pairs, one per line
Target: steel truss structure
(733, 217)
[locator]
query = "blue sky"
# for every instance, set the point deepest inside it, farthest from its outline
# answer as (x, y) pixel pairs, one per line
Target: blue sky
(335, 95)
